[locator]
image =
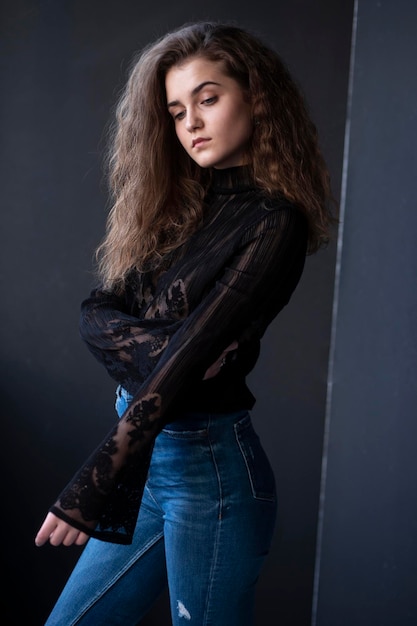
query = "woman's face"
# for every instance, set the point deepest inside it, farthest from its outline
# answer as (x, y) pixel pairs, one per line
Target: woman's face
(212, 119)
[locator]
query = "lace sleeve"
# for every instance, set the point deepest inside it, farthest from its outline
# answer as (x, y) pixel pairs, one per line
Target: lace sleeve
(127, 346)
(104, 497)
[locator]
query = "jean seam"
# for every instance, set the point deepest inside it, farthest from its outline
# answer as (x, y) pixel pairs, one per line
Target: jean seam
(218, 528)
(155, 501)
(120, 573)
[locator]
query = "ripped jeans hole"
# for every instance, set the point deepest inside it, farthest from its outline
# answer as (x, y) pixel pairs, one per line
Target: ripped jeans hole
(182, 611)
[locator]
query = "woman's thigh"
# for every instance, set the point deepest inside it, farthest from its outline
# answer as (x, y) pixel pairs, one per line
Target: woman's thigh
(116, 584)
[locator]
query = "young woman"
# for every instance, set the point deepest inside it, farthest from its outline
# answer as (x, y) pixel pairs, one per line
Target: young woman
(220, 191)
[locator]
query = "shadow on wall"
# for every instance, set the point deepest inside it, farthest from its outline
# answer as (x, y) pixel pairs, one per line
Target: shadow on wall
(48, 432)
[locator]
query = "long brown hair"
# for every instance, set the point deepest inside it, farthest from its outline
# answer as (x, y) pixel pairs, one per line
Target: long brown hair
(157, 190)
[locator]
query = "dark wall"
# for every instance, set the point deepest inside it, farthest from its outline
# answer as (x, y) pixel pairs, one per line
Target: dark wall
(62, 65)
(367, 571)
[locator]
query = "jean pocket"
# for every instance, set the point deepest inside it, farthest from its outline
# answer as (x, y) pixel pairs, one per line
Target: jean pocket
(261, 475)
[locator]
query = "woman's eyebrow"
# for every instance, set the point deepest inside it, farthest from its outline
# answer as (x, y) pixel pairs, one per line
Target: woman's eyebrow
(195, 91)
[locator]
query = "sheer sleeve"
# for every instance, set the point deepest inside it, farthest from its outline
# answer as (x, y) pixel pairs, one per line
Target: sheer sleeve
(103, 498)
(128, 346)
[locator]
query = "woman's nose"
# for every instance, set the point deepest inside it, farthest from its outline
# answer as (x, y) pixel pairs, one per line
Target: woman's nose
(192, 121)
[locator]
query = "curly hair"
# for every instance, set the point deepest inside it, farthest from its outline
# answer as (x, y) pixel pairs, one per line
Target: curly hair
(157, 190)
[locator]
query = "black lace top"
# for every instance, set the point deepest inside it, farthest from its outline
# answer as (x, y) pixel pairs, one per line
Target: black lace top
(227, 283)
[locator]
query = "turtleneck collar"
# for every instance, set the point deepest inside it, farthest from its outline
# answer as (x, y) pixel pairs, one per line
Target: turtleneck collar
(232, 179)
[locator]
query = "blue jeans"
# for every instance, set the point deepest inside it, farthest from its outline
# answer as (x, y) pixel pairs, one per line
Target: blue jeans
(204, 529)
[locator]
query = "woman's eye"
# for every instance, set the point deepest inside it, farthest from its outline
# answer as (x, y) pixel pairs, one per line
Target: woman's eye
(206, 102)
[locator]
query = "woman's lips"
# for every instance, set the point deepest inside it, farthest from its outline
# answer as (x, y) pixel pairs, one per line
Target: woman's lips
(199, 141)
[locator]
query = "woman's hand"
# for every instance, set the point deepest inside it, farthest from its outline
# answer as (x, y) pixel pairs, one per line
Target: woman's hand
(59, 532)
(214, 369)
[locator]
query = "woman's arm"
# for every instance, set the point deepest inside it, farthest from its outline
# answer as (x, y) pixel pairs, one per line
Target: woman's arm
(258, 281)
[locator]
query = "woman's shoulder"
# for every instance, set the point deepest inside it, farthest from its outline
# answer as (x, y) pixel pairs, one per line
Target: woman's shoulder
(277, 211)
(272, 207)
(276, 202)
